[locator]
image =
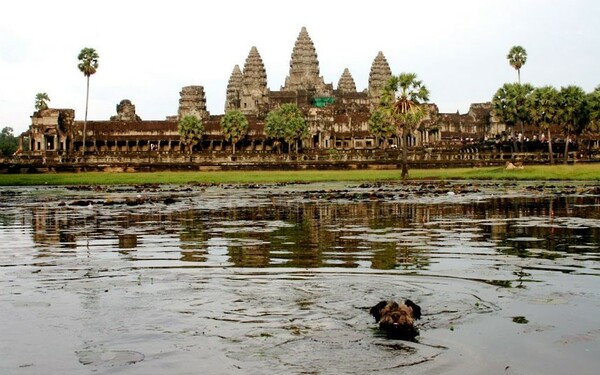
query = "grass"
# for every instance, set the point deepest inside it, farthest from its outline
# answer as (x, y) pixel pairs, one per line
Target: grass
(582, 172)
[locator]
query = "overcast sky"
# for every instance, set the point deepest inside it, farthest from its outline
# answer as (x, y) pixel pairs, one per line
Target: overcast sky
(150, 49)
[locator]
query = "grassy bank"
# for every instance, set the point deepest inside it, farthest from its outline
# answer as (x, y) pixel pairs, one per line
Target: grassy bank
(588, 172)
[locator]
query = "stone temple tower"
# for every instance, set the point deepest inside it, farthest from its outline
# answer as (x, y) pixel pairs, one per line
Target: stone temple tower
(304, 67)
(192, 101)
(346, 83)
(254, 94)
(234, 89)
(380, 73)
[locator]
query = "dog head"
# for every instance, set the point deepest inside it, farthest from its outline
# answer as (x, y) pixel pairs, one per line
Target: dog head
(397, 320)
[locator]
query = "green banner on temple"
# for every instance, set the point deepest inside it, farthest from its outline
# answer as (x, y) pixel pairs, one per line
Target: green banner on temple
(321, 102)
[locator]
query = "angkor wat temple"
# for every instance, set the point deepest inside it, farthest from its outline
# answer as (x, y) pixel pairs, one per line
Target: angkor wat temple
(338, 117)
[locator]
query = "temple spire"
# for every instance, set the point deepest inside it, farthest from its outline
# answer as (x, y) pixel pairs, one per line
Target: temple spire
(254, 91)
(346, 82)
(304, 66)
(379, 75)
(234, 88)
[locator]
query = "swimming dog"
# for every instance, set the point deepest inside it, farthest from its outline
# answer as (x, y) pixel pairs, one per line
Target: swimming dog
(397, 320)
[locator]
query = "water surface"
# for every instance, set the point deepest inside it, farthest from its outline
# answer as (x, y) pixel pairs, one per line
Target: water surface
(256, 279)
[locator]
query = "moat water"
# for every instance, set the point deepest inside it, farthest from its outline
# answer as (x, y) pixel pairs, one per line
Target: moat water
(279, 279)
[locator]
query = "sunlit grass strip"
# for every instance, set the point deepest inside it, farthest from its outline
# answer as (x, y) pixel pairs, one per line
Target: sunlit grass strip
(584, 172)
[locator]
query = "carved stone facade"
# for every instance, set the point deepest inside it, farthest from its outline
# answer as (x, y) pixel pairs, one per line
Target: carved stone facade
(234, 88)
(125, 112)
(51, 130)
(254, 92)
(304, 68)
(338, 119)
(192, 102)
(380, 73)
(346, 83)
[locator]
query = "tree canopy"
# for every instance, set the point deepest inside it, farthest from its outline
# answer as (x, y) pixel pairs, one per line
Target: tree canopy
(572, 113)
(190, 129)
(509, 103)
(517, 57)
(381, 126)
(509, 106)
(88, 61)
(286, 122)
(8, 142)
(235, 126)
(542, 105)
(401, 103)
(41, 101)
(593, 110)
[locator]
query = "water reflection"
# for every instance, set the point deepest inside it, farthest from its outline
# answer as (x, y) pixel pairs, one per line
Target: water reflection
(279, 279)
(287, 229)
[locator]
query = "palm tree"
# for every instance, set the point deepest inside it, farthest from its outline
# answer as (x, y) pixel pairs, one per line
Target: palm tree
(190, 129)
(592, 104)
(593, 110)
(401, 102)
(41, 101)
(542, 106)
(235, 126)
(572, 113)
(509, 106)
(517, 56)
(88, 64)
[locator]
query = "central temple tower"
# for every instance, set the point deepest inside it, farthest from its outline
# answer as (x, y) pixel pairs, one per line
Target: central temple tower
(304, 68)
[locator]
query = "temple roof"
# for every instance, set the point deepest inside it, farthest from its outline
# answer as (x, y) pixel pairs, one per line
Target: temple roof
(380, 73)
(255, 74)
(346, 82)
(304, 66)
(234, 87)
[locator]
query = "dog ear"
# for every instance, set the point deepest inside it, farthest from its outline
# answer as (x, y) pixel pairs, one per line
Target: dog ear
(416, 309)
(376, 310)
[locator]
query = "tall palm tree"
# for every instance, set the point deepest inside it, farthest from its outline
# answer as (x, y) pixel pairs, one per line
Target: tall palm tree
(191, 130)
(542, 105)
(235, 126)
(88, 64)
(572, 113)
(402, 101)
(517, 56)
(509, 106)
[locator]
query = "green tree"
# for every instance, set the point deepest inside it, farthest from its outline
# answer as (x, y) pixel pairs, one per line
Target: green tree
(190, 130)
(235, 126)
(380, 126)
(542, 105)
(88, 64)
(593, 111)
(8, 142)
(402, 102)
(572, 113)
(509, 106)
(287, 122)
(517, 57)
(41, 101)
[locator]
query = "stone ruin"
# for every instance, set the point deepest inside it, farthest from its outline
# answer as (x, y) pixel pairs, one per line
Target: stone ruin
(192, 102)
(253, 90)
(380, 73)
(346, 83)
(125, 112)
(304, 68)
